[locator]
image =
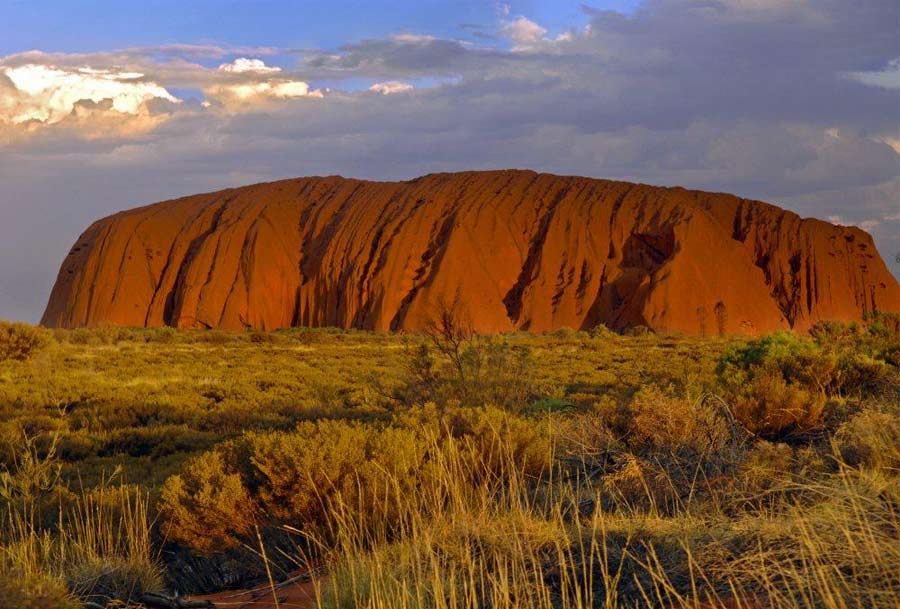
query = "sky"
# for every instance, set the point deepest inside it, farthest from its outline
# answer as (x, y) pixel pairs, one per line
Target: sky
(105, 105)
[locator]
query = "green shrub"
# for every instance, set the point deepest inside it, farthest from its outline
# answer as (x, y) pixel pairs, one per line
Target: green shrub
(639, 330)
(80, 336)
(78, 445)
(779, 384)
(884, 324)
(109, 334)
(214, 337)
(686, 429)
(164, 336)
(154, 441)
(799, 360)
(773, 408)
(20, 341)
(494, 439)
(828, 332)
(296, 473)
(263, 337)
(601, 331)
(206, 506)
(331, 468)
(300, 478)
(859, 375)
(772, 472)
(565, 334)
(776, 384)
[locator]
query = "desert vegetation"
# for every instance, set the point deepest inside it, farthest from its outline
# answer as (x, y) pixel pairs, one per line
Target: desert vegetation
(449, 470)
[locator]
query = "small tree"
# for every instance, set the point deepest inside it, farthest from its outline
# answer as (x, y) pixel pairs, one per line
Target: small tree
(450, 331)
(456, 364)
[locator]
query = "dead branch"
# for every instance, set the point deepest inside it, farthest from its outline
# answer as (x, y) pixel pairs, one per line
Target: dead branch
(160, 601)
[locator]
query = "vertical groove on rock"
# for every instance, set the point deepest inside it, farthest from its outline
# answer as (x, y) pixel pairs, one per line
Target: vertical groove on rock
(513, 298)
(196, 243)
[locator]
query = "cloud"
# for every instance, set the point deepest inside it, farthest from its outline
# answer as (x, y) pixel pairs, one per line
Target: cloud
(254, 92)
(887, 78)
(92, 96)
(413, 38)
(523, 32)
(866, 225)
(257, 85)
(46, 94)
(391, 87)
(242, 65)
(257, 88)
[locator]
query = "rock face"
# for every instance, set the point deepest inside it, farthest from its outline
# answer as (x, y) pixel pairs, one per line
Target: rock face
(515, 249)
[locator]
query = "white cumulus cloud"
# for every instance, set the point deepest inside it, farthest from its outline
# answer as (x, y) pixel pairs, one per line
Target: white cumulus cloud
(242, 65)
(523, 32)
(48, 94)
(391, 87)
(257, 84)
(280, 89)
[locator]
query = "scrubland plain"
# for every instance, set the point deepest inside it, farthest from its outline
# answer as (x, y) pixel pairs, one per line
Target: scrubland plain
(450, 470)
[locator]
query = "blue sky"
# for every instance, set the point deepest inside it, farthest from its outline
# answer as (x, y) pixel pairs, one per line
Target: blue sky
(109, 105)
(97, 25)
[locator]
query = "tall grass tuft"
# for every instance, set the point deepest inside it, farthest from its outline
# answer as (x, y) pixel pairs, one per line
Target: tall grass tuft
(94, 545)
(510, 542)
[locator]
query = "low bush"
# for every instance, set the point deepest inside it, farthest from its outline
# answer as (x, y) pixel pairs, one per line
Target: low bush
(774, 474)
(690, 431)
(778, 385)
(330, 467)
(774, 408)
(206, 506)
(674, 449)
(20, 341)
(871, 438)
(296, 474)
(113, 581)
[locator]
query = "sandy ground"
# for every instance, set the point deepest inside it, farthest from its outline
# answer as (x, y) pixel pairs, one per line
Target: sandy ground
(297, 595)
(302, 595)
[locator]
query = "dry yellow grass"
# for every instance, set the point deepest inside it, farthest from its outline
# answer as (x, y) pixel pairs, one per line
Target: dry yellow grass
(563, 471)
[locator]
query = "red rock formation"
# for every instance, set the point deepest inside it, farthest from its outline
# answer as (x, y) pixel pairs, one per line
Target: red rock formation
(519, 250)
